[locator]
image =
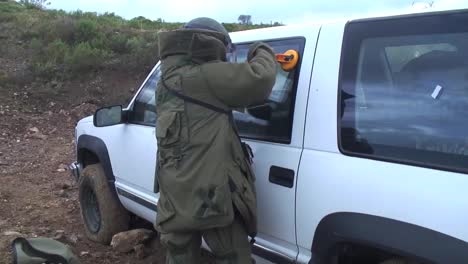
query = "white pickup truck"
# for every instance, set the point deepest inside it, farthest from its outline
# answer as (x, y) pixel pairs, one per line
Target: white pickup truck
(361, 152)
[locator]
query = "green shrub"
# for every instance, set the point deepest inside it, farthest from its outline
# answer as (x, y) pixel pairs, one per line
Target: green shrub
(63, 28)
(99, 42)
(50, 29)
(76, 14)
(229, 27)
(10, 7)
(118, 43)
(46, 59)
(134, 44)
(30, 24)
(111, 20)
(172, 26)
(142, 54)
(86, 30)
(9, 11)
(7, 17)
(57, 51)
(141, 23)
(34, 4)
(85, 58)
(150, 37)
(139, 61)
(57, 13)
(46, 70)
(36, 47)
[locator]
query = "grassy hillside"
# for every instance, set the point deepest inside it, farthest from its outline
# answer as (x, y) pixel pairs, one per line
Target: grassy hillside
(55, 53)
(75, 42)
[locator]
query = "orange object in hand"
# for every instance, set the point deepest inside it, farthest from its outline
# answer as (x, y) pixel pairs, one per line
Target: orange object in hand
(288, 60)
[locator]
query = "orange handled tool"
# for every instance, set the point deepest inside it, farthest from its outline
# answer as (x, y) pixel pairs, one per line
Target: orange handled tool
(288, 60)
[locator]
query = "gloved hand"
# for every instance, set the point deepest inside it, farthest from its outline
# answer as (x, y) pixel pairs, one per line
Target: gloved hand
(255, 47)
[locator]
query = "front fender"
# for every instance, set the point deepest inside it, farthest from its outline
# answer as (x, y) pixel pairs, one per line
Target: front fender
(97, 147)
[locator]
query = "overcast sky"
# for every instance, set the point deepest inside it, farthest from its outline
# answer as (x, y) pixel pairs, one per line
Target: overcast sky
(266, 11)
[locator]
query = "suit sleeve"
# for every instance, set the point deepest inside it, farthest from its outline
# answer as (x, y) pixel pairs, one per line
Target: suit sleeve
(243, 84)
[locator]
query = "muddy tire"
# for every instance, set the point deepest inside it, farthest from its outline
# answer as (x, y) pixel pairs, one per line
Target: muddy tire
(102, 213)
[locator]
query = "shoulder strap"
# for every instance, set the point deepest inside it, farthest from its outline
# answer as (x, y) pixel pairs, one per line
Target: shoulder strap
(246, 148)
(193, 100)
(29, 250)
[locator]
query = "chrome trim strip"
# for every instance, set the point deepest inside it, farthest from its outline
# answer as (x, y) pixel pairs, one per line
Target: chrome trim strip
(137, 199)
(271, 255)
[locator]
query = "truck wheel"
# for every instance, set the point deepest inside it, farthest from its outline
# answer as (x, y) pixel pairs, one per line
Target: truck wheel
(102, 213)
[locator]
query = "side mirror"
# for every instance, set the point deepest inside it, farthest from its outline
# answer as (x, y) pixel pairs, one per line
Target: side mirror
(109, 116)
(261, 111)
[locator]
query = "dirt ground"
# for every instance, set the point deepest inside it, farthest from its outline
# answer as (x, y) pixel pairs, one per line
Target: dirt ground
(37, 195)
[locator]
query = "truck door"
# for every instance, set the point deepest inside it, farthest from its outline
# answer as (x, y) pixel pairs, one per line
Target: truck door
(134, 152)
(276, 138)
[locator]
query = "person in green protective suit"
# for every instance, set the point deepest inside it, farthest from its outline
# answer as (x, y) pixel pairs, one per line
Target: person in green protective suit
(205, 180)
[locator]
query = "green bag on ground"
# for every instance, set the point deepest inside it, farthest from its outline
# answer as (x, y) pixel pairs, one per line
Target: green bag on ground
(42, 250)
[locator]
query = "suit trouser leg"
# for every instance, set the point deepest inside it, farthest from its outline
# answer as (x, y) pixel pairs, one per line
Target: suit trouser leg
(229, 244)
(182, 248)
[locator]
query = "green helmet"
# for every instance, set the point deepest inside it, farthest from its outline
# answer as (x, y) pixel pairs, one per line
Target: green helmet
(208, 24)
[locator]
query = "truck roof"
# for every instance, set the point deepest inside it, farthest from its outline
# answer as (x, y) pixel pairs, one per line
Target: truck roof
(299, 29)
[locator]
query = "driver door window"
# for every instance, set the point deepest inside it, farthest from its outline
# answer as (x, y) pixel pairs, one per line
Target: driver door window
(144, 108)
(276, 125)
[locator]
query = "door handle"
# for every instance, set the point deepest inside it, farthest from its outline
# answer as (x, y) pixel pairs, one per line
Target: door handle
(281, 176)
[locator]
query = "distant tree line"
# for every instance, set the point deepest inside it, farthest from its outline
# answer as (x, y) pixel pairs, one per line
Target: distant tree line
(246, 20)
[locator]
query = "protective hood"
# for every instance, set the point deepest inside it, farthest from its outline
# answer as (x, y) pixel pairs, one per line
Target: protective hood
(196, 45)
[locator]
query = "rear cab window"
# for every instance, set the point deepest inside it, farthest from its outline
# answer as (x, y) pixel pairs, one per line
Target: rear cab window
(404, 90)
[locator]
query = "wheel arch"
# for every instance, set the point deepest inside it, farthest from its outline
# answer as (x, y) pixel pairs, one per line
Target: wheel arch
(392, 236)
(92, 150)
